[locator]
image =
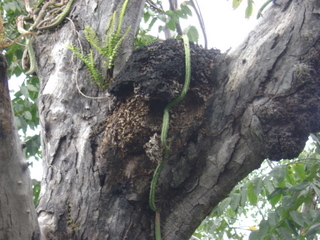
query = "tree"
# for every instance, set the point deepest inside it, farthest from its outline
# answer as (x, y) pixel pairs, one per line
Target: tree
(18, 216)
(261, 101)
(282, 196)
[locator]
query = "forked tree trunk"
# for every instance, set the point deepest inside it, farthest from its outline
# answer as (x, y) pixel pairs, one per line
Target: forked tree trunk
(259, 102)
(18, 218)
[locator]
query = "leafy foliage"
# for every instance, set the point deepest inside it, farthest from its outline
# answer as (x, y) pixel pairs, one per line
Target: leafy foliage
(36, 187)
(26, 115)
(107, 49)
(8, 35)
(13, 52)
(285, 198)
(249, 8)
(89, 62)
(144, 38)
(166, 19)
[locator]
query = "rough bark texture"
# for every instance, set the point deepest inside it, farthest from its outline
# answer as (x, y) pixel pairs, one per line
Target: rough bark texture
(261, 101)
(18, 218)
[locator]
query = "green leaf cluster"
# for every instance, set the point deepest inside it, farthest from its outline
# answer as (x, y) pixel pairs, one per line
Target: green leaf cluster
(36, 187)
(167, 19)
(25, 109)
(107, 48)
(283, 202)
(11, 7)
(26, 115)
(10, 11)
(249, 8)
(89, 62)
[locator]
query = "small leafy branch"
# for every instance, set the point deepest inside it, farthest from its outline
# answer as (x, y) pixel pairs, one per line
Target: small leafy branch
(171, 19)
(107, 48)
(284, 201)
(89, 62)
(4, 41)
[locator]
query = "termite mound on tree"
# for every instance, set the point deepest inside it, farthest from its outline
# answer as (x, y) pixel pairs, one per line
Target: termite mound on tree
(152, 77)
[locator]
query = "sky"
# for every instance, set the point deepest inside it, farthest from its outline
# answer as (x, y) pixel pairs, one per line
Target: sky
(226, 28)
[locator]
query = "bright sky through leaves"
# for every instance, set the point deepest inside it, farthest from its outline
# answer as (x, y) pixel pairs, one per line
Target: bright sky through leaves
(226, 27)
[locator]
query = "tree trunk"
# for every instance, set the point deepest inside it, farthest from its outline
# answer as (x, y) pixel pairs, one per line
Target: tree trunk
(18, 218)
(261, 101)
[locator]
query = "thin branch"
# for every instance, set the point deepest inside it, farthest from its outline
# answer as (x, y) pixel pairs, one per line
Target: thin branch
(173, 6)
(199, 15)
(154, 6)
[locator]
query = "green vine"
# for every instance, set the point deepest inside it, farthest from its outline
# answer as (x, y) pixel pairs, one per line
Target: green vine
(164, 133)
(107, 48)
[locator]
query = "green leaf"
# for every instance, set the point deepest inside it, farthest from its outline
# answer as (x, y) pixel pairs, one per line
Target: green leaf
(146, 16)
(313, 231)
(18, 107)
(244, 194)
(253, 199)
(290, 175)
(180, 14)
(161, 28)
(300, 186)
(317, 190)
(315, 214)
(163, 17)
(185, 9)
(170, 13)
(32, 145)
(279, 173)
(27, 115)
(288, 202)
(257, 184)
(152, 23)
(254, 235)
(235, 199)
(171, 25)
(192, 33)
(300, 170)
(263, 229)
(291, 227)
(275, 196)
(24, 91)
(32, 88)
(273, 218)
(18, 122)
(224, 204)
(268, 185)
(284, 233)
(36, 187)
(297, 218)
(307, 218)
(24, 124)
(236, 3)
(249, 9)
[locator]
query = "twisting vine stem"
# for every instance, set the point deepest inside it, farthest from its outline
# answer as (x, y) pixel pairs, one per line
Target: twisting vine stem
(164, 133)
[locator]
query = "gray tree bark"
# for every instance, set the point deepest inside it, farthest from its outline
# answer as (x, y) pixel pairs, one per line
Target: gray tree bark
(18, 217)
(261, 101)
